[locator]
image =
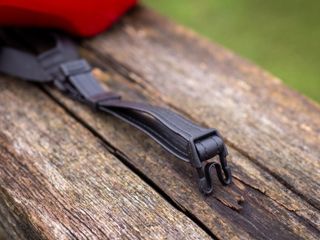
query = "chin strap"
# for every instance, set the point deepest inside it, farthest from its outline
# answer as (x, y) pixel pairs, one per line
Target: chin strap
(62, 67)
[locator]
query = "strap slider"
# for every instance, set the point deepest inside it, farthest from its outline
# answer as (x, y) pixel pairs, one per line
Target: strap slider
(79, 83)
(75, 67)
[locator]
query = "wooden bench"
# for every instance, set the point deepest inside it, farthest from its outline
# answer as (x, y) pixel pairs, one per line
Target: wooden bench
(67, 172)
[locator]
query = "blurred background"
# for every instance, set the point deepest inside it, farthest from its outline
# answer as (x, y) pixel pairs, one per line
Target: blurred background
(281, 36)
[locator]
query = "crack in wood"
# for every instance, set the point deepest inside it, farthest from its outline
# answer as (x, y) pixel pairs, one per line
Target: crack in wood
(124, 159)
(125, 72)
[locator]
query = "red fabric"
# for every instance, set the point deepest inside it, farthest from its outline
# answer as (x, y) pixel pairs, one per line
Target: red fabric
(80, 17)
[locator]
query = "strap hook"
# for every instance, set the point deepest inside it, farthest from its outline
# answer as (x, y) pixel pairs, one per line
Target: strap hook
(205, 174)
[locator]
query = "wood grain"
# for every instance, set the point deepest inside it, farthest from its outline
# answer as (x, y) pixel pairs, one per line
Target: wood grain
(275, 127)
(249, 208)
(58, 181)
(273, 132)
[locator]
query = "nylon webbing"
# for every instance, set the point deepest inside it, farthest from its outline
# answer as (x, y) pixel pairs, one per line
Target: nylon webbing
(62, 66)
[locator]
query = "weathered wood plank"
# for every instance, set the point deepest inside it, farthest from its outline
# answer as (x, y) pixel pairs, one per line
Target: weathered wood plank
(151, 60)
(218, 89)
(58, 181)
(253, 205)
(275, 127)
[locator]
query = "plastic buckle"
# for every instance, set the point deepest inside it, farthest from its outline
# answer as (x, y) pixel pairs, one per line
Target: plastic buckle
(204, 168)
(75, 67)
(80, 83)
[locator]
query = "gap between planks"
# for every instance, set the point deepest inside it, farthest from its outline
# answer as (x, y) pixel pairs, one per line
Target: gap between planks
(124, 159)
(127, 74)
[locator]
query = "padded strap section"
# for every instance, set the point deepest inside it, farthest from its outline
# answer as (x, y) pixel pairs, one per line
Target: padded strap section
(22, 64)
(42, 68)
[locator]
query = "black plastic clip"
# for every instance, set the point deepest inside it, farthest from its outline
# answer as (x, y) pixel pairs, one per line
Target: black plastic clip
(203, 149)
(205, 174)
(80, 84)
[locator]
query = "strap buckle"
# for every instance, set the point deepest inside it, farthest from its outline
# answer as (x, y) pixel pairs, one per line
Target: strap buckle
(72, 75)
(203, 148)
(79, 83)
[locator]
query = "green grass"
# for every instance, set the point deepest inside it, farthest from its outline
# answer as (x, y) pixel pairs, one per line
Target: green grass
(281, 36)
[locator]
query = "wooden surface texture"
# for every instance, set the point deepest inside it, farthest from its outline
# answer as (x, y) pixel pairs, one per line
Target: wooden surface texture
(68, 172)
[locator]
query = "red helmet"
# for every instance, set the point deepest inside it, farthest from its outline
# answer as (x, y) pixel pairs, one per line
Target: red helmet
(80, 17)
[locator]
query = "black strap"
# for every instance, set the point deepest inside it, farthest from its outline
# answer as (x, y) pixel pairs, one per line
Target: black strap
(62, 67)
